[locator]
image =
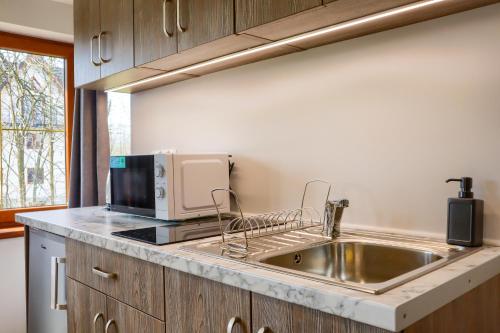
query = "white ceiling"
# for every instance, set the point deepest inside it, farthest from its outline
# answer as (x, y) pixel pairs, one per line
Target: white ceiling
(34, 32)
(48, 19)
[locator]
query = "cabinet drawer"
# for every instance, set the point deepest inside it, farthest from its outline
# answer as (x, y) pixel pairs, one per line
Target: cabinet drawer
(135, 282)
(125, 319)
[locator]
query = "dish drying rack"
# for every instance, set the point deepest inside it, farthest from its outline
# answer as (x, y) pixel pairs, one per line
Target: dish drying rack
(242, 229)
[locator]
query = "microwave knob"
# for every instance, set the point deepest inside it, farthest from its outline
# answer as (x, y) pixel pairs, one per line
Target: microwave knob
(159, 192)
(159, 171)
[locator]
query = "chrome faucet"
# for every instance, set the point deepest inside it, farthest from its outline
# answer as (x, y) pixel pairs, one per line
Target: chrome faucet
(333, 215)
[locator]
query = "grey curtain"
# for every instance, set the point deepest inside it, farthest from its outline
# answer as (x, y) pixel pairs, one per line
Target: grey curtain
(89, 149)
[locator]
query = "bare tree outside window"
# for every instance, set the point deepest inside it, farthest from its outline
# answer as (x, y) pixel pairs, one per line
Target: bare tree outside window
(32, 130)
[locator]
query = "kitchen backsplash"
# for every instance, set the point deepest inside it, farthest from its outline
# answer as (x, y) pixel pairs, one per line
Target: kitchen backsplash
(387, 118)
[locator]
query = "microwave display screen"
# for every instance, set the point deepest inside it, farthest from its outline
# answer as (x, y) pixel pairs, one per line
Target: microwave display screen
(132, 184)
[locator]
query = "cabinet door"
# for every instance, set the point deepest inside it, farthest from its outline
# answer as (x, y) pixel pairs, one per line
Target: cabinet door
(155, 30)
(283, 317)
(251, 13)
(204, 21)
(117, 36)
(125, 319)
(86, 26)
(130, 280)
(86, 308)
(195, 304)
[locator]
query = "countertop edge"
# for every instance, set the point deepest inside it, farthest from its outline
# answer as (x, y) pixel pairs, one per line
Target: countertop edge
(411, 312)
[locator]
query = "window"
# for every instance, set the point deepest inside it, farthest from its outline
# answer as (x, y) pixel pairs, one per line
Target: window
(119, 123)
(36, 97)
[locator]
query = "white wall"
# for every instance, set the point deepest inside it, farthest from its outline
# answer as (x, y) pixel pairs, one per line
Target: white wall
(386, 118)
(12, 299)
(49, 19)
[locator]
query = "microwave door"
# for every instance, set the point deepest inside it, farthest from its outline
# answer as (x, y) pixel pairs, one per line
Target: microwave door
(132, 185)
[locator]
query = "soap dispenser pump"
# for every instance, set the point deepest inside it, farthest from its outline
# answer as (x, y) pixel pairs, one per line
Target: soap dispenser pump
(465, 216)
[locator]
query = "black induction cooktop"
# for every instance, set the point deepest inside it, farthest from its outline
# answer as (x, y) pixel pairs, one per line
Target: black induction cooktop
(174, 232)
(154, 235)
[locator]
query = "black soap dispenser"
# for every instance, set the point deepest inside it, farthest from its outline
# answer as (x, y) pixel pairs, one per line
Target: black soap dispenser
(465, 216)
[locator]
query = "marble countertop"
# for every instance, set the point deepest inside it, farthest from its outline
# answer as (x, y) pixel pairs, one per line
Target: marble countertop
(393, 310)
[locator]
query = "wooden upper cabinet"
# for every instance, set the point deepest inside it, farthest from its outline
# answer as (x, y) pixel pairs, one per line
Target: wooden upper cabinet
(117, 36)
(251, 13)
(203, 21)
(155, 30)
(144, 38)
(86, 29)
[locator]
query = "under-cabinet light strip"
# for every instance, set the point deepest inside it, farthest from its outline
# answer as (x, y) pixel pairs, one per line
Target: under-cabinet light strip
(289, 40)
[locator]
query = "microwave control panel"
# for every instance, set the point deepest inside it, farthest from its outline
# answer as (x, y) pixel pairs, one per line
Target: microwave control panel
(161, 189)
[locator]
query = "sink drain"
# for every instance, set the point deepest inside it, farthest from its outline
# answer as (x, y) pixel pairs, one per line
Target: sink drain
(297, 258)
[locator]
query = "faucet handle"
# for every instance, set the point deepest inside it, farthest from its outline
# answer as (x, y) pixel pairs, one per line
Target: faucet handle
(341, 203)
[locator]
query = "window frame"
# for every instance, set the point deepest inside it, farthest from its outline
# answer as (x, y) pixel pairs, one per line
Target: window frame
(48, 48)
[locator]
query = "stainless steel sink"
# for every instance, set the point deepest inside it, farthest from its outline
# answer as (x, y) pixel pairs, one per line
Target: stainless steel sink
(358, 262)
(370, 262)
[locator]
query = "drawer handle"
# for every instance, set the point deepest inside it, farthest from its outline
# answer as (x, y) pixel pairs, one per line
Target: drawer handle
(164, 27)
(265, 329)
(103, 274)
(232, 322)
(54, 283)
(108, 325)
(179, 26)
(96, 318)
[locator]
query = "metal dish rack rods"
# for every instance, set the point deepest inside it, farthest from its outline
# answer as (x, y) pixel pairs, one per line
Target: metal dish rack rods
(236, 235)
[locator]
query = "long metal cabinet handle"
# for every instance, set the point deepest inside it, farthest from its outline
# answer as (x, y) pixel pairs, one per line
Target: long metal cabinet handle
(97, 316)
(103, 274)
(179, 26)
(54, 283)
(165, 31)
(108, 325)
(232, 322)
(92, 51)
(99, 38)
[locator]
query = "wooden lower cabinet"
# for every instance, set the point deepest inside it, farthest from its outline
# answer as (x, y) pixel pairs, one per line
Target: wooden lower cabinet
(93, 311)
(477, 311)
(84, 304)
(132, 281)
(130, 303)
(126, 319)
(270, 315)
(195, 304)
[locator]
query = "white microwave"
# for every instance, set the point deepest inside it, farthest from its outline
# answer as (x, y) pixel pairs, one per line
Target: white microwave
(170, 186)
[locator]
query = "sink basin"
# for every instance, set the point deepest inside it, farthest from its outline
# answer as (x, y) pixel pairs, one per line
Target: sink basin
(358, 262)
(366, 261)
